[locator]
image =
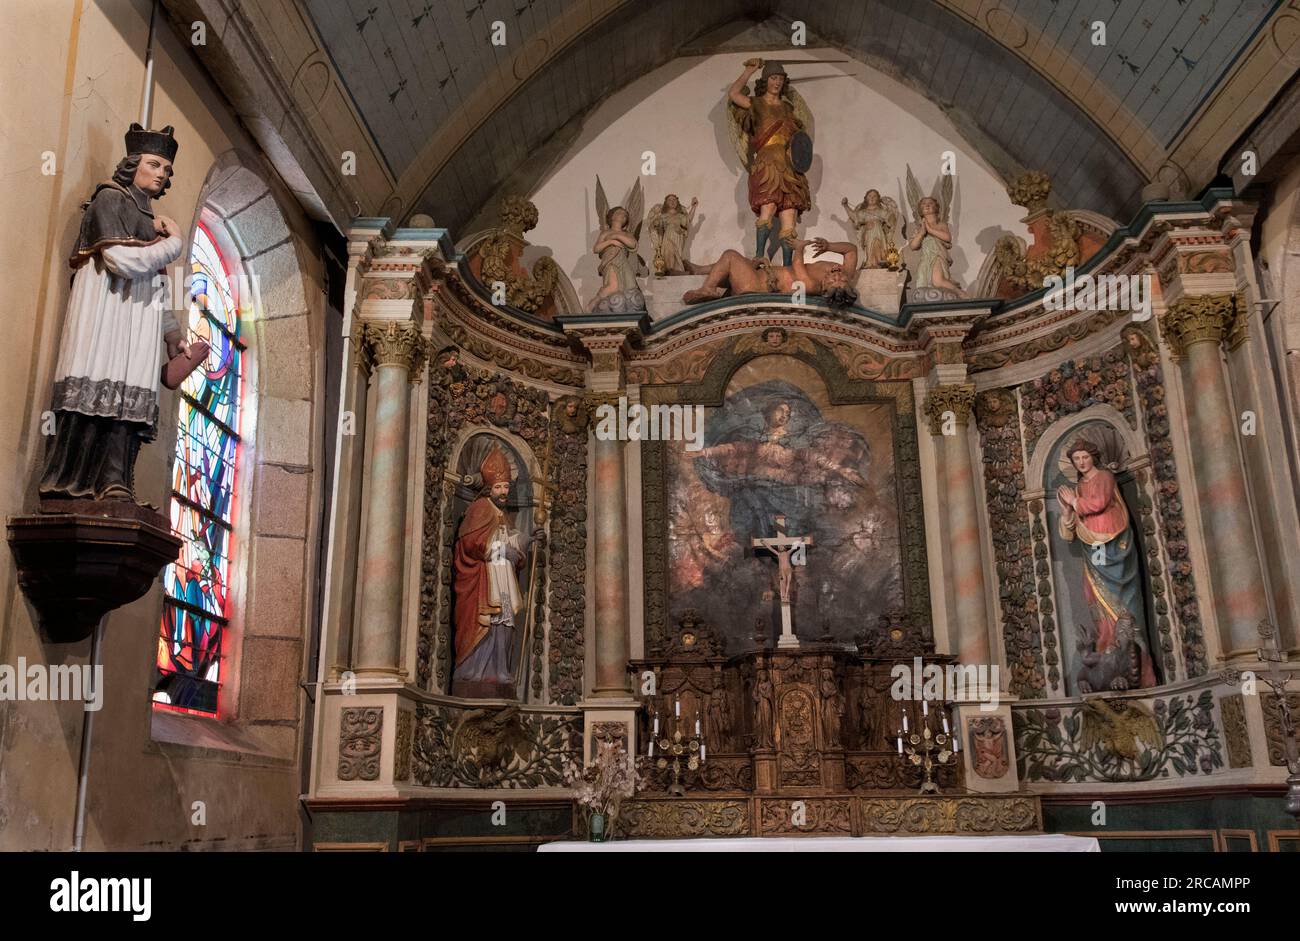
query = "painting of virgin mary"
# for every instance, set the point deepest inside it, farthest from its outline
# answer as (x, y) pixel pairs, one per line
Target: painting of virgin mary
(777, 446)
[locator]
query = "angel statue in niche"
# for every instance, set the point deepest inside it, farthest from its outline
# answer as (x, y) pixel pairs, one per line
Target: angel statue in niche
(931, 233)
(772, 132)
(876, 219)
(620, 265)
(670, 224)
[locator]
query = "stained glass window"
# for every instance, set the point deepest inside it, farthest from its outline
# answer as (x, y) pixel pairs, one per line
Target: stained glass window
(196, 611)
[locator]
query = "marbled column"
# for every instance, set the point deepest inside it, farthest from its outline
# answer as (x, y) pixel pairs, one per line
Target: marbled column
(398, 351)
(352, 471)
(609, 506)
(1194, 328)
(951, 405)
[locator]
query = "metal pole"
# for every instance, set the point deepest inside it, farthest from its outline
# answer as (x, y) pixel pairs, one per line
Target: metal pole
(146, 102)
(87, 732)
(88, 719)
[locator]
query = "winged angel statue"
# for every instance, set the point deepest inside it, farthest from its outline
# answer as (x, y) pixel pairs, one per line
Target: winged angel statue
(620, 265)
(931, 234)
(876, 219)
(772, 133)
(670, 224)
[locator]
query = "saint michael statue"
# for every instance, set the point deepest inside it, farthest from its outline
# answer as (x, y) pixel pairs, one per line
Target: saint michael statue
(772, 131)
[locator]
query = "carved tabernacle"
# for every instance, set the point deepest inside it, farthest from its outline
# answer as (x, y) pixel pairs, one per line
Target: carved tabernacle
(814, 721)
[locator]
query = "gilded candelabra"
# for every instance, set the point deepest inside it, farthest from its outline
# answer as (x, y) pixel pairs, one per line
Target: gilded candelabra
(927, 749)
(893, 259)
(676, 749)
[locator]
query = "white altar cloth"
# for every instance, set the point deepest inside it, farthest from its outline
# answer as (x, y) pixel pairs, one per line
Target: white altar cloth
(1026, 843)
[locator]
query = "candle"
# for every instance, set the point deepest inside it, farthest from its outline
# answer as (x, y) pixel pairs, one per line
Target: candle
(945, 725)
(925, 707)
(904, 720)
(703, 751)
(900, 744)
(697, 725)
(677, 708)
(656, 723)
(956, 745)
(651, 752)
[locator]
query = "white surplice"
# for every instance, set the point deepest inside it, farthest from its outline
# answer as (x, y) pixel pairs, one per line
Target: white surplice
(112, 349)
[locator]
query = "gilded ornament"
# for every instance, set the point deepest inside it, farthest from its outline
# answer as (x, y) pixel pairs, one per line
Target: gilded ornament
(1204, 318)
(396, 344)
(955, 398)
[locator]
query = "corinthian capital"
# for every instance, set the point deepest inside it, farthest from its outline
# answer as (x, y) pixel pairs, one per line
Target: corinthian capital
(956, 398)
(594, 400)
(361, 357)
(397, 344)
(1205, 318)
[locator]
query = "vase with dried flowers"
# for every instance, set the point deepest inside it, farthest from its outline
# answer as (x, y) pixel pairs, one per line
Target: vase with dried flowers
(602, 786)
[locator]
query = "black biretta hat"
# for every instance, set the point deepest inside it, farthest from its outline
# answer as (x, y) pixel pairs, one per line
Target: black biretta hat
(140, 141)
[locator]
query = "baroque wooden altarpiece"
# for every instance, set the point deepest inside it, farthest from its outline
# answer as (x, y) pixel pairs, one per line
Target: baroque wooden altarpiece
(798, 741)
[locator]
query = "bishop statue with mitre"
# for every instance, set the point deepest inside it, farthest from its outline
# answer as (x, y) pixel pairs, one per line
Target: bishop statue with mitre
(489, 554)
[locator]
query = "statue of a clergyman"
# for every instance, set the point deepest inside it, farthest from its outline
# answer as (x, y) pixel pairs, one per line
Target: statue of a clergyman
(106, 380)
(488, 556)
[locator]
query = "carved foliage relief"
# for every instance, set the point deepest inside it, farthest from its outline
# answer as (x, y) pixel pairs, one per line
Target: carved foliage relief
(677, 818)
(360, 743)
(1273, 725)
(1009, 814)
(568, 561)
(502, 747)
(1232, 709)
(998, 420)
(1149, 379)
(1073, 386)
(1119, 740)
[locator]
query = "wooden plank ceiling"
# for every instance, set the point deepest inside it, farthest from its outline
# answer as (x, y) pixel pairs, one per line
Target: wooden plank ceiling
(453, 116)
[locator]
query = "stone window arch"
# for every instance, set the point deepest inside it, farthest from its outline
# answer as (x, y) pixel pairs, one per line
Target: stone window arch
(274, 526)
(205, 486)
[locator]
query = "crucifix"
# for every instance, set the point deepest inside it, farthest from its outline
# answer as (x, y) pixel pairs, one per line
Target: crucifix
(789, 551)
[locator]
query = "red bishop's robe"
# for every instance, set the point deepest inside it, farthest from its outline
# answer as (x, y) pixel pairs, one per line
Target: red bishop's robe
(473, 610)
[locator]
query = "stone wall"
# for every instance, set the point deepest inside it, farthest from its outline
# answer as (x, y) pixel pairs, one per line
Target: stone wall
(81, 73)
